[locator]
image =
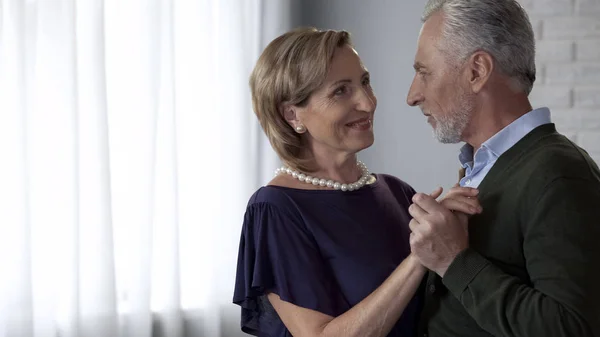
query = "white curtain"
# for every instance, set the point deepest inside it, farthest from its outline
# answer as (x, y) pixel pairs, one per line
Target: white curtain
(128, 151)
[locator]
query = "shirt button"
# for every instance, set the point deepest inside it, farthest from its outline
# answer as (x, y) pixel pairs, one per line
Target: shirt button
(468, 182)
(432, 288)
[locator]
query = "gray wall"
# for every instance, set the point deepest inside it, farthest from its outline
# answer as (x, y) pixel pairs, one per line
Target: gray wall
(385, 34)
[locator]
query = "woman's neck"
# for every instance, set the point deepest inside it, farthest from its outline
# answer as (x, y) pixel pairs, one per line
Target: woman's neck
(341, 167)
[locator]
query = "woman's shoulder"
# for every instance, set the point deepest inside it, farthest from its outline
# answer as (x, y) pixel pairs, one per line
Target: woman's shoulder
(270, 199)
(269, 194)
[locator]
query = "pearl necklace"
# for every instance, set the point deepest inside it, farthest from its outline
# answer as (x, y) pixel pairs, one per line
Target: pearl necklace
(329, 183)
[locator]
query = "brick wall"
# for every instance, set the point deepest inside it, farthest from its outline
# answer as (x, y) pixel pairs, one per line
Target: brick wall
(568, 66)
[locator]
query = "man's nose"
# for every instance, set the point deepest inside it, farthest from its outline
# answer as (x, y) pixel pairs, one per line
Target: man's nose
(415, 96)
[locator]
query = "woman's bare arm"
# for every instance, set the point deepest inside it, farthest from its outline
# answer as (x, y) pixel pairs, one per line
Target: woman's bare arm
(372, 317)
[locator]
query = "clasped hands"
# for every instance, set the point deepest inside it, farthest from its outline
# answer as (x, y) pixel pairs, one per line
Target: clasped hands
(439, 228)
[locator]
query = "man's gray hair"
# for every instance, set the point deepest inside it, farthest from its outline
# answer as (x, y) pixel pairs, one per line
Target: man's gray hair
(498, 27)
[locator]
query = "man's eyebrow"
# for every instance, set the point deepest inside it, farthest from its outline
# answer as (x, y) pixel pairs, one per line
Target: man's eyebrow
(418, 66)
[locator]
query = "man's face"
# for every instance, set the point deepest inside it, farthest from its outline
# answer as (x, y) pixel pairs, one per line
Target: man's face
(439, 87)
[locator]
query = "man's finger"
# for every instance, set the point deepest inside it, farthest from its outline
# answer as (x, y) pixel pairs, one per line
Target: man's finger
(417, 212)
(413, 224)
(463, 218)
(412, 240)
(428, 203)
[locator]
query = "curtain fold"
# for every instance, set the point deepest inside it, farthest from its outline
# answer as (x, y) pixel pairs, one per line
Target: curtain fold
(128, 152)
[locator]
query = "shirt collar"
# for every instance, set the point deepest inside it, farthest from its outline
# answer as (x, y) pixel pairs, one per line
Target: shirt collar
(509, 136)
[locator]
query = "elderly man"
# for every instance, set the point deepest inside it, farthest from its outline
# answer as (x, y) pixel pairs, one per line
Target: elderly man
(528, 265)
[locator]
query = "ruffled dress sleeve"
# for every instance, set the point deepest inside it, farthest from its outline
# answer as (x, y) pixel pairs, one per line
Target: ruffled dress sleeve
(278, 254)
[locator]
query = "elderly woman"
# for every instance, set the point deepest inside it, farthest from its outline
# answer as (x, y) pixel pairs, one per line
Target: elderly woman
(325, 247)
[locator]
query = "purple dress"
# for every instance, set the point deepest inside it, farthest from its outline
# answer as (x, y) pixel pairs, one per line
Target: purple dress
(324, 250)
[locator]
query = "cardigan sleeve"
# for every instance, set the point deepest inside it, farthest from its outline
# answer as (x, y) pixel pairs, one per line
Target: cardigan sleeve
(562, 256)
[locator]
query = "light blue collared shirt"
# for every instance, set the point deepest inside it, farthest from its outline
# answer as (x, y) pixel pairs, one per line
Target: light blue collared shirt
(477, 167)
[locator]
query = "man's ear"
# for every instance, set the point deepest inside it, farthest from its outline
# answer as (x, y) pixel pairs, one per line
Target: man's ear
(479, 70)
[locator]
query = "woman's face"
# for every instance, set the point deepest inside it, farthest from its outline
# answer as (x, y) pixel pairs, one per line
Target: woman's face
(339, 115)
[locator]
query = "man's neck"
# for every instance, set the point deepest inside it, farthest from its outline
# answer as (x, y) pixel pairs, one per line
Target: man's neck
(493, 116)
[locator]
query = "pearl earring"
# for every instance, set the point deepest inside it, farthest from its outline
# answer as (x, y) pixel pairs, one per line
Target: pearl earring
(300, 128)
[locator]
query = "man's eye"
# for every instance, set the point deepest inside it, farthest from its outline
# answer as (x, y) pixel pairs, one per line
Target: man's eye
(367, 81)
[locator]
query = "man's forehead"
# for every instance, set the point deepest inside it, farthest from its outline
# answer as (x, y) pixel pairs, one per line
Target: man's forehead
(432, 27)
(429, 33)
(421, 30)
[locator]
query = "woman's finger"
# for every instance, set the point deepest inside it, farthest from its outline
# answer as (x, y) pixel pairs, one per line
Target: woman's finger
(466, 191)
(461, 206)
(437, 192)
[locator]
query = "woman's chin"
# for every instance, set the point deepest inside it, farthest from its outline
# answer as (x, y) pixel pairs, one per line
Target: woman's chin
(364, 142)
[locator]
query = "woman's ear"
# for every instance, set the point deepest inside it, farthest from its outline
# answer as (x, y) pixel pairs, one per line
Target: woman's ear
(289, 114)
(291, 117)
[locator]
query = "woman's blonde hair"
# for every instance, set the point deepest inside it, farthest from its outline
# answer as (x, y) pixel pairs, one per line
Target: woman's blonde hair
(288, 71)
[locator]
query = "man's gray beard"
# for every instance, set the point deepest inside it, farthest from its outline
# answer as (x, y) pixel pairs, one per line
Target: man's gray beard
(449, 129)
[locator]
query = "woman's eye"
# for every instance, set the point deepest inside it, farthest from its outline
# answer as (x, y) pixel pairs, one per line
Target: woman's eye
(367, 81)
(341, 90)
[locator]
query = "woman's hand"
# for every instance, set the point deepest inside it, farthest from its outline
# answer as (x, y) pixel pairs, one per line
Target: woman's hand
(462, 199)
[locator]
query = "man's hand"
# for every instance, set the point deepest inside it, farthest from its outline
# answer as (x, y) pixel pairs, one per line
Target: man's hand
(438, 234)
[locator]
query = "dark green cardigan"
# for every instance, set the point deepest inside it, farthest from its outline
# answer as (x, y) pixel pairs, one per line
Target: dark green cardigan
(533, 266)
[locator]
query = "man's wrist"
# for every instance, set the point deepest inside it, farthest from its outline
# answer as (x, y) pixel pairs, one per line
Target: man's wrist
(463, 269)
(441, 271)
